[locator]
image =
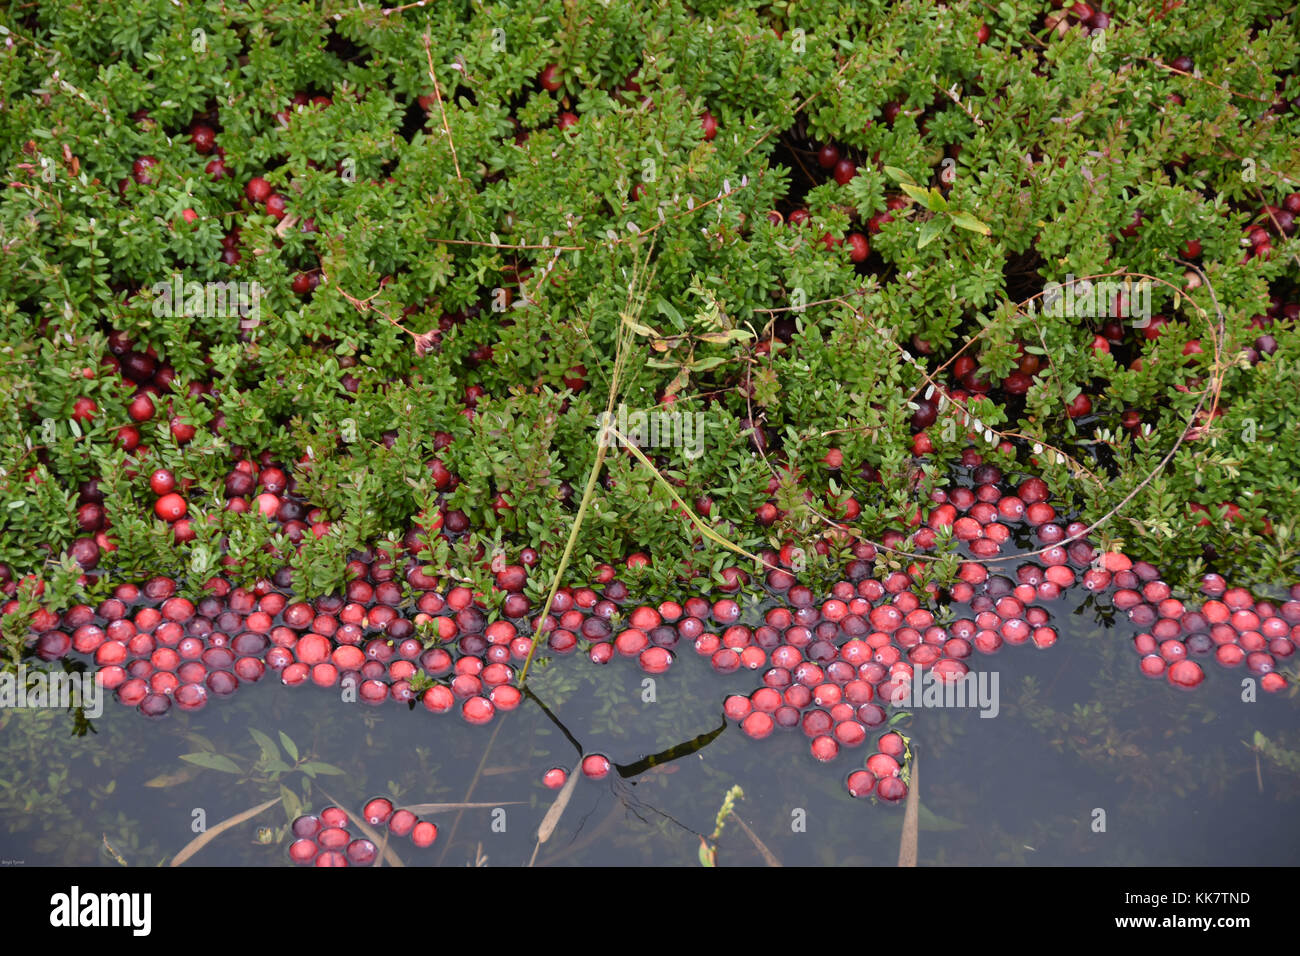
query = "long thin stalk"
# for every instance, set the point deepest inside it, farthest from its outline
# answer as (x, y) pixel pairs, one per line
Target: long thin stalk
(624, 342)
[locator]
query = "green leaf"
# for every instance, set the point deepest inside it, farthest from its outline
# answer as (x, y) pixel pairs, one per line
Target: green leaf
(707, 854)
(269, 750)
(318, 766)
(924, 197)
(930, 231)
(289, 746)
(292, 805)
(666, 308)
(211, 761)
(722, 338)
(900, 176)
(966, 221)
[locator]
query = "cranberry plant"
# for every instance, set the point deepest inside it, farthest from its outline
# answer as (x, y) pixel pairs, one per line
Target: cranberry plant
(423, 224)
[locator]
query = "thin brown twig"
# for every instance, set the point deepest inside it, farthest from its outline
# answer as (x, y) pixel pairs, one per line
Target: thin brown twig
(437, 93)
(506, 245)
(406, 6)
(1223, 89)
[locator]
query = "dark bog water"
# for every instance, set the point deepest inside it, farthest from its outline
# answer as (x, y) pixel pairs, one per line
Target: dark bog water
(1087, 762)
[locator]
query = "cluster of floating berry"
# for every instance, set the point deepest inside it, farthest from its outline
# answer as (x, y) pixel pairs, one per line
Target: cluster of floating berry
(324, 839)
(829, 668)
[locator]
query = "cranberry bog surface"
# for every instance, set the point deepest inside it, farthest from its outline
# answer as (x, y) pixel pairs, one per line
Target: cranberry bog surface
(572, 433)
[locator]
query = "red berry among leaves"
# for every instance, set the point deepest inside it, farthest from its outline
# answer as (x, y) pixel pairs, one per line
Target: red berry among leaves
(709, 124)
(875, 223)
(128, 438)
(275, 205)
(576, 378)
(859, 248)
(1155, 327)
(140, 170)
(181, 431)
(258, 189)
(162, 482)
(828, 156)
(845, 170)
(550, 78)
(170, 507)
(1017, 383)
(568, 119)
(141, 408)
(1081, 406)
(203, 137)
(84, 409)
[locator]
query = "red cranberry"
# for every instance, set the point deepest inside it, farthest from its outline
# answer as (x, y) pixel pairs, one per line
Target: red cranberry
(709, 125)
(258, 189)
(596, 766)
(424, 834)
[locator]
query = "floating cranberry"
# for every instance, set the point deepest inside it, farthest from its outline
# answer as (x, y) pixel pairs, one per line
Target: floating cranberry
(596, 766)
(555, 778)
(757, 725)
(424, 834)
(303, 851)
(1185, 674)
(362, 852)
(478, 710)
(891, 790)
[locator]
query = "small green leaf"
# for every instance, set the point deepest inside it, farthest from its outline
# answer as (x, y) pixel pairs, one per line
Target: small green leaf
(899, 175)
(707, 854)
(665, 308)
(924, 197)
(930, 231)
(319, 766)
(289, 746)
(966, 221)
(269, 750)
(292, 805)
(211, 761)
